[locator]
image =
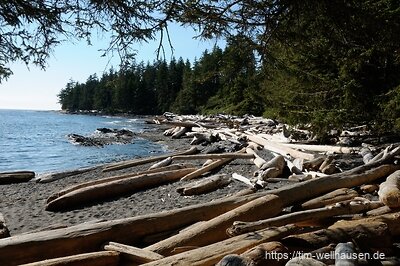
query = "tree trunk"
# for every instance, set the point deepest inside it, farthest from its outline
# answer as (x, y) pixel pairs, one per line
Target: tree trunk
(16, 177)
(101, 258)
(204, 186)
(215, 229)
(135, 162)
(114, 188)
(211, 254)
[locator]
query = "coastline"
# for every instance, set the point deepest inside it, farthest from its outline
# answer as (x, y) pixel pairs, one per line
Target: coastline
(23, 204)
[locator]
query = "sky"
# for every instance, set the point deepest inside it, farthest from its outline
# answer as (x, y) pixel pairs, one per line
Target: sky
(36, 89)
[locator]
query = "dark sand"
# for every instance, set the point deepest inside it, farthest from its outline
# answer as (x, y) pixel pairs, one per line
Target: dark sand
(23, 205)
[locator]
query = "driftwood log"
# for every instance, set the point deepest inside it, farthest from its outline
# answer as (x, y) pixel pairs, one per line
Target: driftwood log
(89, 237)
(133, 254)
(101, 258)
(258, 161)
(211, 254)
(214, 230)
(389, 191)
(114, 178)
(335, 196)
(206, 169)
(114, 188)
(16, 177)
(135, 162)
(351, 207)
(50, 177)
(204, 186)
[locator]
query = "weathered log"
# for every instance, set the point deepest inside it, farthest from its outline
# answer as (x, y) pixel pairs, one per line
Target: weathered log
(165, 162)
(50, 177)
(101, 258)
(367, 155)
(131, 253)
(89, 237)
(369, 188)
(114, 188)
(180, 132)
(243, 179)
(389, 191)
(204, 186)
(328, 160)
(206, 169)
(4, 232)
(299, 178)
(344, 254)
(258, 161)
(135, 162)
(376, 232)
(270, 253)
(352, 207)
(321, 148)
(16, 177)
(231, 155)
(211, 254)
(335, 196)
(272, 168)
(279, 148)
(114, 178)
(214, 230)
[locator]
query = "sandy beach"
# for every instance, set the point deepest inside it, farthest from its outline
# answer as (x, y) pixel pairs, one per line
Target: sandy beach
(23, 204)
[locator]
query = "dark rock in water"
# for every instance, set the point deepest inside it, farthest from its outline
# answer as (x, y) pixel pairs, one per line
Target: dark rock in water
(103, 136)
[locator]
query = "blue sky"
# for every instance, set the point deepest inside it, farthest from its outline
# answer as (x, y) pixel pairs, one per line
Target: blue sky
(35, 89)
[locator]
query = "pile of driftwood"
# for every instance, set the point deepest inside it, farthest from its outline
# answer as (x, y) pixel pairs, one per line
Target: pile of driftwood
(324, 214)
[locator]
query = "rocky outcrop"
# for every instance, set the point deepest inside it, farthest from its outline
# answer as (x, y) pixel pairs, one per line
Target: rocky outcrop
(103, 136)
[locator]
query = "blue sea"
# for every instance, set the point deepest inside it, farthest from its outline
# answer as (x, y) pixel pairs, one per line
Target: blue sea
(37, 141)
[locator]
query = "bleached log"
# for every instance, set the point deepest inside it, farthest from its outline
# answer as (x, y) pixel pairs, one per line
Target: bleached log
(272, 168)
(367, 155)
(180, 132)
(389, 191)
(50, 177)
(206, 169)
(88, 237)
(214, 156)
(299, 178)
(4, 232)
(243, 179)
(211, 254)
(328, 160)
(114, 178)
(321, 148)
(165, 162)
(114, 188)
(258, 161)
(314, 214)
(335, 196)
(16, 177)
(135, 162)
(214, 230)
(169, 131)
(344, 254)
(133, 254)
(204, 186)
(280, 149)
(101, 258)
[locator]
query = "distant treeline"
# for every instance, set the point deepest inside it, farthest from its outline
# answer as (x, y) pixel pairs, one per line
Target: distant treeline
(219, 81)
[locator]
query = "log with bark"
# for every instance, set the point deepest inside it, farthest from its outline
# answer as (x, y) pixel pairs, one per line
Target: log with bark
(135, 162)
(16, 177)
(213, 253)
(101, 258)
(343, 208)
(115, 188)
(89, 237)
(204, 186)
(389, 191)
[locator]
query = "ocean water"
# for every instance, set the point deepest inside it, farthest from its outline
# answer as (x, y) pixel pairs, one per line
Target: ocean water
(37, 141)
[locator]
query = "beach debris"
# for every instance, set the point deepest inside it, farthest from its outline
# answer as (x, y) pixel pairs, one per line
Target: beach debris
(321, 201)
(16, 177)
(50, 177)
